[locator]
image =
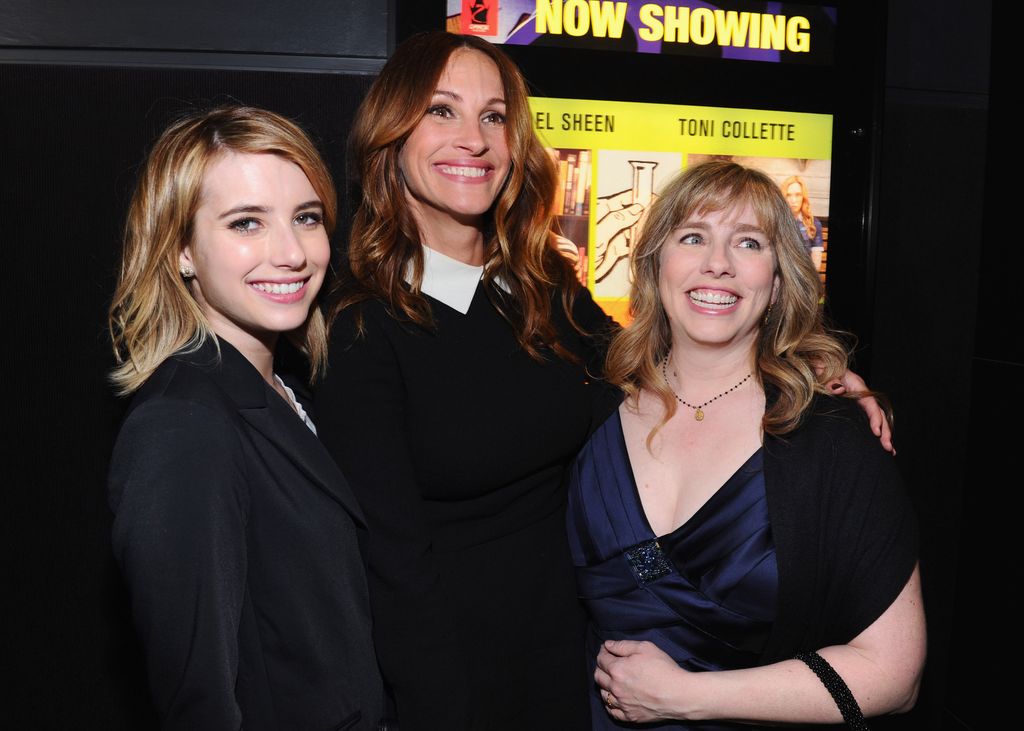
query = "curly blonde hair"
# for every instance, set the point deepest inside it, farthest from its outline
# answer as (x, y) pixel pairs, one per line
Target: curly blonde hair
(795, 354)
(805, 204)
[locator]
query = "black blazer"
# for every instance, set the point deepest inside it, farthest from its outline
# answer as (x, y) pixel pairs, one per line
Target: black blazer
(240, 542)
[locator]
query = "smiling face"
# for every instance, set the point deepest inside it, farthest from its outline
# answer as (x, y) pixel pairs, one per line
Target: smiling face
(259, 249)
(455, 161)
(717, 277)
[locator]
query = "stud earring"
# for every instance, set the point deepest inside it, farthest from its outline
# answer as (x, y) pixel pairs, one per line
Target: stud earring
(187, 272)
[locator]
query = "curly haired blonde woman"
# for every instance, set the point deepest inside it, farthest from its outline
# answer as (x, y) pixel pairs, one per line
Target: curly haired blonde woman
(741, 540)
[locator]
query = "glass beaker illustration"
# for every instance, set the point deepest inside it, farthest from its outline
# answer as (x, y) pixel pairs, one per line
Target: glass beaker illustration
(643, 181)
(643, 190)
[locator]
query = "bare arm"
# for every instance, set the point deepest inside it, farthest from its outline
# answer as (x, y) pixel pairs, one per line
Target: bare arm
(881, 666)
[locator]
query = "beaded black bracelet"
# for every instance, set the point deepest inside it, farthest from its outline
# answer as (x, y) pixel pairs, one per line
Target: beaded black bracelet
(837, 688)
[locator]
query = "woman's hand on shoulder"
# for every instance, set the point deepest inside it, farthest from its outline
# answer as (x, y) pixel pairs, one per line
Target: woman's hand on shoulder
(639, 682)
(852, 383)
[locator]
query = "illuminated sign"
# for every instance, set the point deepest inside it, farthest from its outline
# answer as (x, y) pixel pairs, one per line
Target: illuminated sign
(782, 32)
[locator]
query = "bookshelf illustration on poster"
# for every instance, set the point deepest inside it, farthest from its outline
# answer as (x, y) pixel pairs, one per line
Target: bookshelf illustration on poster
(572, 205)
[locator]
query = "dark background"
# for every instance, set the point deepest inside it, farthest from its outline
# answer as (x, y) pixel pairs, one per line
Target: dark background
(86, 86)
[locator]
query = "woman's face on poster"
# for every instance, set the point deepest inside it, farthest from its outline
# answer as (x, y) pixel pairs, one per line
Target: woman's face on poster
(795, 197)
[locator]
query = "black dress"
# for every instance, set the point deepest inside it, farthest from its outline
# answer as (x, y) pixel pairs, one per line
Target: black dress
(456, 443)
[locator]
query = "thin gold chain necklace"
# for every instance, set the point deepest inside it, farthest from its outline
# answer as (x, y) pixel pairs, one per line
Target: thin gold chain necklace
(698, 409)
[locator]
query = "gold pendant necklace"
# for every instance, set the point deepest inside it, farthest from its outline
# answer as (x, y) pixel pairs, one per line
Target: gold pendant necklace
(698, 409)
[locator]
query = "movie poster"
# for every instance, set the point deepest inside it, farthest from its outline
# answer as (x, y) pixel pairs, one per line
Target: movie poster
(614, 157)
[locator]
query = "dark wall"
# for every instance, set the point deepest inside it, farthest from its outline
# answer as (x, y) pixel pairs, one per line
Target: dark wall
(934, 205)
(344, 28)
(982, 618)
(72, 147)
(946, 332)
(84, 89)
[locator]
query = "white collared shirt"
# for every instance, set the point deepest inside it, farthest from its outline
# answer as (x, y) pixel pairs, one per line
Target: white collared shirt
(449, 280)
(295, 404)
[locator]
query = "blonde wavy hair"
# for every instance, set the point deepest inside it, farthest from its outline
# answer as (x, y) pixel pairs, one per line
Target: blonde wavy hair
(795, 354)
(153, 313)
(805, 204)
(385, 242)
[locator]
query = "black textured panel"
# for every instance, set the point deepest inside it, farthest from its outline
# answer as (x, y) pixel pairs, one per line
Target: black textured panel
(312, 27)
(72, 141)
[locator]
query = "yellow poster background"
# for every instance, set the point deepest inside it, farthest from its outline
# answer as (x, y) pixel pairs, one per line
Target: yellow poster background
(644, 133)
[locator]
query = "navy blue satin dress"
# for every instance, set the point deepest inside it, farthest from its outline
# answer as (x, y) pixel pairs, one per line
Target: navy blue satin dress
(704, 593)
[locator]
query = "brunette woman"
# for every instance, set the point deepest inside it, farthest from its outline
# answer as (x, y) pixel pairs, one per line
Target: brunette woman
(465, 363)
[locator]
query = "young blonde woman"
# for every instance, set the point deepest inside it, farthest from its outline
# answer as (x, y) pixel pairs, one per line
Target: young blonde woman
(238, 536)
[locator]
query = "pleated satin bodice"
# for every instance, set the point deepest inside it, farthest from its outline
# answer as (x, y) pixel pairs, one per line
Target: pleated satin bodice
(704, 593)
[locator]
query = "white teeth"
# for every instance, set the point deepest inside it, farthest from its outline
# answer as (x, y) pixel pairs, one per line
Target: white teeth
(291, 288)
(712, 298)
(467, 172)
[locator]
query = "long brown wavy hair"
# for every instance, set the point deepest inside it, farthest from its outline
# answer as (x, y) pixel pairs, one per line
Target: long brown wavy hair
(385, 246)
(805, 204)
(795, 354)
(153, 313)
